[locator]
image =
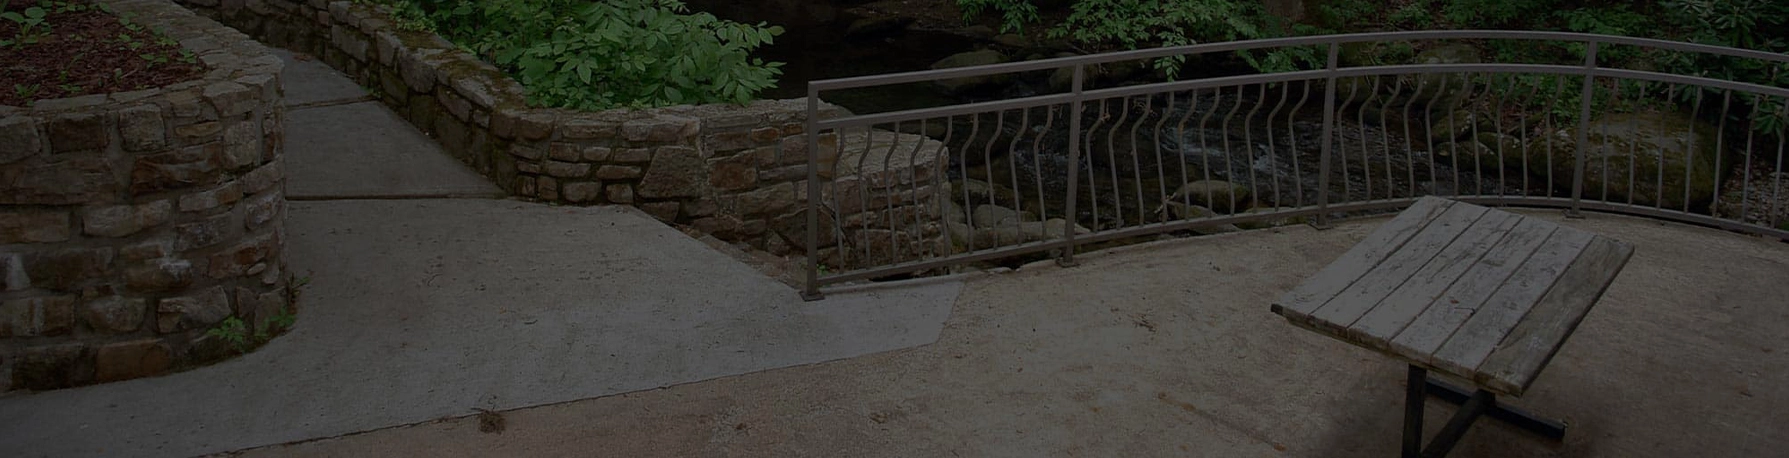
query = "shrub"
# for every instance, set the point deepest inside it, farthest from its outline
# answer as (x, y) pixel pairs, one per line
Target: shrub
(613, 53)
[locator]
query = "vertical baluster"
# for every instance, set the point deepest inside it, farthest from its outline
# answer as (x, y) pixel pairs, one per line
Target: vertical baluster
(1037, 159)
(987, 154)
(1272, 152)
(1092, 182)
(811, 290)
(1136, 163)
(1192, 105)
(1478, 164)
(1360, 121)
(911, 173)
(1497, 123)
(1292, 143)
(1780, 174)
(1522, 130)
(1720, 149)
(1342, 154)
(1670, 97)
(1586, 97)
(968, 202)
(1552, 132)
(1204, 147)
(1229, 162)
(863, 193)
(1074, 168)
(1429, 132)
(1409, 149)
(1161, 172)
(1329, 124)
(890, 194)
(1690, 133)
(1391, 184)
(1012, 167)
(1745, 186)
(941, 178)
(1453, 151)
(1633, 162)
(1248, 142)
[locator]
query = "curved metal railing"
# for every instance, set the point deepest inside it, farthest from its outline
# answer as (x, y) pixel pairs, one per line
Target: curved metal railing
(914, 190)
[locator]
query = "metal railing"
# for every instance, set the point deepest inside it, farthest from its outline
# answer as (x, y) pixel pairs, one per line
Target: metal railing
(916, 190)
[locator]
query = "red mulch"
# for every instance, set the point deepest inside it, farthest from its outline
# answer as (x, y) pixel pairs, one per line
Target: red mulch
(82, 53)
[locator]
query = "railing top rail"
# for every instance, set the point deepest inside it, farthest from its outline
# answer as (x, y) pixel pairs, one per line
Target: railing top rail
(1141, 54)
(1303, 75)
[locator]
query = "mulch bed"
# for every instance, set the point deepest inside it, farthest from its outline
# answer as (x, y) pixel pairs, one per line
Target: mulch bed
(84, 51)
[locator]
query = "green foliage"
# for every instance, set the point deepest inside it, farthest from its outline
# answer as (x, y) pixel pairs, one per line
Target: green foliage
(1134, 24)
(232, 331)
(1014, 14)
(236, 332)
(31, 26)
(600, 55)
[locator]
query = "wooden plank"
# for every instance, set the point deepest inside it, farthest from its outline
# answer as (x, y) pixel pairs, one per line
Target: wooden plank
(1502, 305)
(1450, 309)
(1528, 347)
(1378, 326)
(1339, 274)
(1372, 287)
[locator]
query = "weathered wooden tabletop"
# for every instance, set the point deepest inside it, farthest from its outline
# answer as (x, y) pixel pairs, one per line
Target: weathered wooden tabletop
(1480, 294)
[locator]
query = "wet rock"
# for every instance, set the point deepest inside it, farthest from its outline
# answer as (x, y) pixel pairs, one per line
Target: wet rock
(877, 27)
(1012, 40)
(1637, 148)
(995, 215)
(971, 59)
(1222, 196)
(1442, 87)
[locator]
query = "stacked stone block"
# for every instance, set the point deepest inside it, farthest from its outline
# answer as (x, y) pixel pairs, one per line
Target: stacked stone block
(736, 172)
(131, 223)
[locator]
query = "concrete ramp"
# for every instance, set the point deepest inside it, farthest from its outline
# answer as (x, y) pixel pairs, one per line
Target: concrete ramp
(422, 309)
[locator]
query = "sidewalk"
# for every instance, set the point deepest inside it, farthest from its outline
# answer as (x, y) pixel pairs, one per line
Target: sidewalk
(420, 307)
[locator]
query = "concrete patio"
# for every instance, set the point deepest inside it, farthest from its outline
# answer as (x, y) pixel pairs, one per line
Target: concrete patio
(1168, 349)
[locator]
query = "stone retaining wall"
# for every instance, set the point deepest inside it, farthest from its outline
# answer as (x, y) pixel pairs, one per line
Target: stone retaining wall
(735, 172)
(131, 223)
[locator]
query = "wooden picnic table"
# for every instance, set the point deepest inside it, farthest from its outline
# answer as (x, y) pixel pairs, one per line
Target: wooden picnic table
(1479, 294)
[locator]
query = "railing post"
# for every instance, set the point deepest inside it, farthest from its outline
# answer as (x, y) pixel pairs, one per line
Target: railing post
(1329, 131)
(1581, 154)
(1074, 168)
(811, 291)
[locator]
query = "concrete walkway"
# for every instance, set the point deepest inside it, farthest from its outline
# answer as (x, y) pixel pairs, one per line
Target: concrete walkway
(421, 308)
(1168, 350)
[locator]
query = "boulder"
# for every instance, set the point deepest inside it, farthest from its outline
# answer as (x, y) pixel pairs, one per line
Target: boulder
(877, 27)
(971, 59)
(995, 215)
(1179, 211)
(963, 237)
(1213, 194)
(1271, 222)
(1012, 40)
(1440, 88)
(1458, 125)
(1636, 148)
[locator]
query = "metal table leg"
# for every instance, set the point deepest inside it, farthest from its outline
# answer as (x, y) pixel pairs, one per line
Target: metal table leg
(1418, 386)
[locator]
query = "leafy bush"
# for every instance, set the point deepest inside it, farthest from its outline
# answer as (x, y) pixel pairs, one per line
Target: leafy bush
(598, 55)
(1014, 14)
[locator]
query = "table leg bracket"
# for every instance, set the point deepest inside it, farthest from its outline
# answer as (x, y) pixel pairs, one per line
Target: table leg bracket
(1472, 405)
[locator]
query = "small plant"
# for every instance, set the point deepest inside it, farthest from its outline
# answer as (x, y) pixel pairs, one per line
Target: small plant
(31, 26)
(232, 331)
(25, 91)
(236, 332)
